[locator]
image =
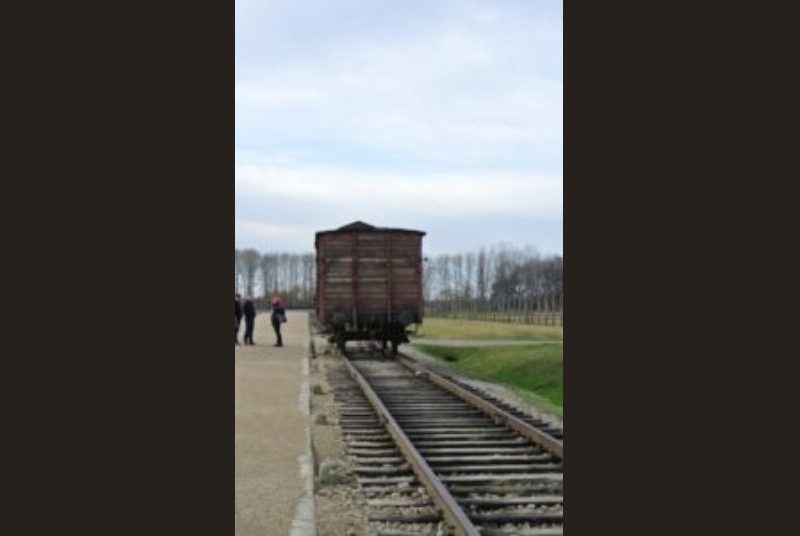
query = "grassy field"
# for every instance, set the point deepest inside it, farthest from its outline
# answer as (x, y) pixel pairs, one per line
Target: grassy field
(535, 372)
(447, 328)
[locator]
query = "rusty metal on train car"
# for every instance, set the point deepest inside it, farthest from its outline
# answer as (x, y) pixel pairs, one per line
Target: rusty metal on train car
(369, 283)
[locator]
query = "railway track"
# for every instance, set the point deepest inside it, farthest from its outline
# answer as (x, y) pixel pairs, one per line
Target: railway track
(548, 428)
(435, 456)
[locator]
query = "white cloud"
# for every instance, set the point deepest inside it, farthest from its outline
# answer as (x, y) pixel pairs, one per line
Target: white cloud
(273, 231)
(265, 98)
(459, 85)
(453, 195)
(444, 114)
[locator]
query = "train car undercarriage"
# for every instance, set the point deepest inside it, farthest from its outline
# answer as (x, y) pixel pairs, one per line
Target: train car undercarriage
(392, 334)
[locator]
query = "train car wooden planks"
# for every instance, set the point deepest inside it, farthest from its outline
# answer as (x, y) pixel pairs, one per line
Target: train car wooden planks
(369, 283)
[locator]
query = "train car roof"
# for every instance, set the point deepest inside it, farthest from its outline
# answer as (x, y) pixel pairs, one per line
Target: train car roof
(360, 226)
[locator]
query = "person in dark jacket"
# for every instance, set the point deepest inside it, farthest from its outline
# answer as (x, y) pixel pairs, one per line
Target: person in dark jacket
(249, 320)
(278, 317)
(237, 313)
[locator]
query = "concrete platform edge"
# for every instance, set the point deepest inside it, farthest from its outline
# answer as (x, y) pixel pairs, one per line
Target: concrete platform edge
(304, 522)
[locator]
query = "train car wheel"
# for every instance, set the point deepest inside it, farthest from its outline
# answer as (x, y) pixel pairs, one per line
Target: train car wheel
(341, 343)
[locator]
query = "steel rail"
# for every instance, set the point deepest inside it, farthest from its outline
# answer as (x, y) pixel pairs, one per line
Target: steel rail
(450, 509)
(546, 441)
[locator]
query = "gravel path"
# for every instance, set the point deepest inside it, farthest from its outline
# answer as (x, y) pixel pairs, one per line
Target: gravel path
(270, 430)
(467, 343)
(340, 509)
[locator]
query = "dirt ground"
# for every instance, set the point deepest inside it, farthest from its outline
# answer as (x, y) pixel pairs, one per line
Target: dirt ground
(271, 428)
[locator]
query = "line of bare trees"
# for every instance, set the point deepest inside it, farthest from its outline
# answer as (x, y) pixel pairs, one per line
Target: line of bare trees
(260, 275)
(504, 282)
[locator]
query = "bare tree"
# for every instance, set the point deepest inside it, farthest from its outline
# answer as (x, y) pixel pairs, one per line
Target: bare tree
(250, 260)
(504, 283)
(483, 283)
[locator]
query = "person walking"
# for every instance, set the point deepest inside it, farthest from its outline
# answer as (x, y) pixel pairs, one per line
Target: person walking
(249, 321)
(278, 318)
(237, 313)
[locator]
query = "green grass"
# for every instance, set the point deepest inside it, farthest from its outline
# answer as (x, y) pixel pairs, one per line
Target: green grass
(535, 372)
(447, 328)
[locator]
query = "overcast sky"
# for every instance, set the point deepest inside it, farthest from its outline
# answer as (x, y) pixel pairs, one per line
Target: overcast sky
(444, 116)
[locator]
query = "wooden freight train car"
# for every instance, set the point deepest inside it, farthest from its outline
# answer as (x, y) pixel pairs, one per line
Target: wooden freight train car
(369, 283)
